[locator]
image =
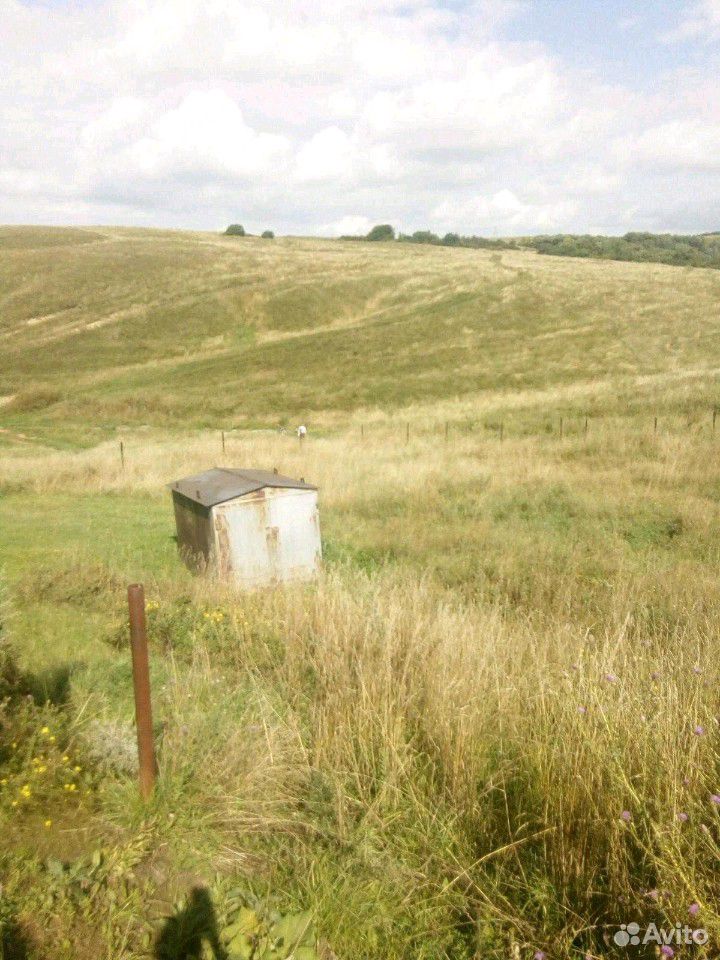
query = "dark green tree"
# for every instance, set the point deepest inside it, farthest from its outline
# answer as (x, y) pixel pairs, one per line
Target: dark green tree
(383, 231)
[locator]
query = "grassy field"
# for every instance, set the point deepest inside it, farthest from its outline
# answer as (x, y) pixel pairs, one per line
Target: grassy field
(491, 729)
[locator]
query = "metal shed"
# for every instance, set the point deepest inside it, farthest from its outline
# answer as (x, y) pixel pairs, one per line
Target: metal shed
(253, 526)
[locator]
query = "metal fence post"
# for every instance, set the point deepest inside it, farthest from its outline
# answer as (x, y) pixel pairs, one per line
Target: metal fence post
(141, 684)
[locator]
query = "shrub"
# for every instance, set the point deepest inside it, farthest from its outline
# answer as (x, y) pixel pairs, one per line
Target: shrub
(235, 230)
(383, 231)
(267, 235)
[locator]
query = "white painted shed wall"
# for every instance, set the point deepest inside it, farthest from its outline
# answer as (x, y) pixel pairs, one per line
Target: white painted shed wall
(268, 536)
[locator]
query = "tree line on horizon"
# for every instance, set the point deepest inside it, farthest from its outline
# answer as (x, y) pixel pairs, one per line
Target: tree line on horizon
(384, 232)
(695, 250)
(691, 250)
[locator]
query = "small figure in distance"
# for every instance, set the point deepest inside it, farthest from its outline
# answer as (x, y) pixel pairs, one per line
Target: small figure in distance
(301, 432)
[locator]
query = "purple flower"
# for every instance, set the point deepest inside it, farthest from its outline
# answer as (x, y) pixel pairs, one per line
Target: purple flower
(667, 951)
(653, 895)
(582, 709)
(699, 731)
(697, 670)
(682, 817)
(626, 815)
(715, 798)
(686, 781)
(694, 909)
(654, 675)
(611, 678)
(538, 955)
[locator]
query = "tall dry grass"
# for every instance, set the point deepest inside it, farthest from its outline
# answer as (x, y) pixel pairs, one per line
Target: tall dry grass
(519, 783)
(450, 767)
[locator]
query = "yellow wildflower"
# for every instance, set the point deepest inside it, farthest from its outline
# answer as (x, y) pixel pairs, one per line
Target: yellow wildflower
(51, 739)
(14, 803)
(48, 823)
(45, 730)
(77, 769)
(66, 759)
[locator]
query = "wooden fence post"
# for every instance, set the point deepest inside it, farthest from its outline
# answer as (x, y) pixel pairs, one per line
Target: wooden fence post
(141, 685)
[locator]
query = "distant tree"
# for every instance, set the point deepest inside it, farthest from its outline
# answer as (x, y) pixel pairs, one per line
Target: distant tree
(235, 230)
(267, 235)
(451, 240)
(425, 236)
(383, 231)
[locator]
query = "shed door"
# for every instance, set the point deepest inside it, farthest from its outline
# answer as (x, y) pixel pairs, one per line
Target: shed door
(241, 528)
(292, 535)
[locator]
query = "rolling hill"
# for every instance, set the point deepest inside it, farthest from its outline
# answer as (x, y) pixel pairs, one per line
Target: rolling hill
(109, 326)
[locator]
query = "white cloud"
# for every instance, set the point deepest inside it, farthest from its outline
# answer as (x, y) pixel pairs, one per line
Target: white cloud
(504, 212)
(698, 20)
(680, 145)
(203, 138)
(295, 115)
(348, 226)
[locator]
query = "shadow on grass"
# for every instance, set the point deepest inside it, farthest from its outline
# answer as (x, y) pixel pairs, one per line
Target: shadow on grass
(51, 685)
(14, 944)
(183, 934)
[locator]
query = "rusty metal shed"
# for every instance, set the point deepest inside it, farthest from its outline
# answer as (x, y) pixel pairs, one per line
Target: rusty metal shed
(255, 527)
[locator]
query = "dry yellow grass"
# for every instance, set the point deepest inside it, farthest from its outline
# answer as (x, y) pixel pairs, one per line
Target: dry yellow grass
(513, 643)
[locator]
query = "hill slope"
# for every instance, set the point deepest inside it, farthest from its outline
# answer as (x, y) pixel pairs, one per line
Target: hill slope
(119, 326)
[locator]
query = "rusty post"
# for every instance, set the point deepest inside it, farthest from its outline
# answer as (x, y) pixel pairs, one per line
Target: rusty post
(655, 426)
(222, 434)
(561, 428)
(585, 428)
(141, 684)
(122, 455)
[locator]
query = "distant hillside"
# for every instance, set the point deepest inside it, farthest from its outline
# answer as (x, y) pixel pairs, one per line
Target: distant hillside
(701, 250)
(110, 327)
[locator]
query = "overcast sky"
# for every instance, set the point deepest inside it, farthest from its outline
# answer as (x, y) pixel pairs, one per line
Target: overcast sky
(492, 117)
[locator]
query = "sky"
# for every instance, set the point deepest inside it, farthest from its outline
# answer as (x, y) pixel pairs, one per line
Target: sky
(492, 117)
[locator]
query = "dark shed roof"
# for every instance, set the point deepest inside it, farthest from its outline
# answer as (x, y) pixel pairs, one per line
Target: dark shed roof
(221, 484)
